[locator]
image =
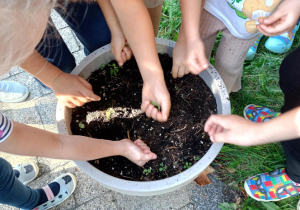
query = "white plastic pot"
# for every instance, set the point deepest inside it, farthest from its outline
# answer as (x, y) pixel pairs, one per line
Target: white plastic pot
(139, 188)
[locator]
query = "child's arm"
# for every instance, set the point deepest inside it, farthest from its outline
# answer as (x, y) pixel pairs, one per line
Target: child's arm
(70, 89)
(29, 141)
(282, 20)
(137, 27)
(242, 132)
(189, 52)
(118, 40)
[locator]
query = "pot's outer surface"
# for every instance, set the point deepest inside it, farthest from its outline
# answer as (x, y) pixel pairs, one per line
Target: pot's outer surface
(211, 78)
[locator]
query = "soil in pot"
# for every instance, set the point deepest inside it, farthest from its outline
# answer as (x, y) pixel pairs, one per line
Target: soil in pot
(179, 143)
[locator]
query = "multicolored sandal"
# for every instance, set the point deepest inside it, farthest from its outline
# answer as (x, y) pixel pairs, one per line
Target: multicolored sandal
(67, 183)
(257, 113)
(272, 186)
(26, 172)
(252, 51)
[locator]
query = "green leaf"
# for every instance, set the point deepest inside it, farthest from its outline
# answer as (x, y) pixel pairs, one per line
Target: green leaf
(156, 105)
(227, 206)
(81, 125)
(270, 206)
(160, 169)
(161, 164)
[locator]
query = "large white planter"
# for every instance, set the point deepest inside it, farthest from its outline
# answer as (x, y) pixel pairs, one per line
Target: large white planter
(63, 117)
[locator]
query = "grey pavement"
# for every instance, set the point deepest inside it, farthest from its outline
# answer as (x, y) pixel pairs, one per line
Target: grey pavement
(38, 110)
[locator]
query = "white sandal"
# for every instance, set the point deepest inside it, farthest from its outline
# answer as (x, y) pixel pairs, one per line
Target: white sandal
(28, 172)
(67, 183)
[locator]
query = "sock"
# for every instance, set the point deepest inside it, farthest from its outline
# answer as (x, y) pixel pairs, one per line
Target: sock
(54, 186)
(17, 173)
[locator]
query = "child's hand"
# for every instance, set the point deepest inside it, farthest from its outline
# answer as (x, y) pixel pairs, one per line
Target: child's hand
(188, 56)
(73, 90)
(282, 20)
(156, 92)
(138, 152)
(238, 130)
(119, 49)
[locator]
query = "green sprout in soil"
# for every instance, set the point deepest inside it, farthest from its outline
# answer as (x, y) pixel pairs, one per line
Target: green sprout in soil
(81, 125)
(109, 112)
(102, 66)
(163, 167)
(197, 158)
(114, 70)
(187, 165)
(147, 171)
(156, 105)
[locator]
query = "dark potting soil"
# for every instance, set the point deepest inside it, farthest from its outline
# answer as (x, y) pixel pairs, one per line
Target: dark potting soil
(179, 143)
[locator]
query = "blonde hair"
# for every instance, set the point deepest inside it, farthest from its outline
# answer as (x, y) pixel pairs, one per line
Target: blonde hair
(20, 21)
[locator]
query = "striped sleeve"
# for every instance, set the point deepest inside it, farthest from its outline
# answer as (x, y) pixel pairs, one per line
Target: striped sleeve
(6, 127)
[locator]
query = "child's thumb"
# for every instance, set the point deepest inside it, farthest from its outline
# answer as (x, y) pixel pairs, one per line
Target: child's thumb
(273, 18)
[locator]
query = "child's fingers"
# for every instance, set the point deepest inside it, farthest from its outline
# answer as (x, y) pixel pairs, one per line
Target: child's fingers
(82, 98)
(145, 104)
(85, 83)
(128, 52)
(274, 30)
(90, 95)
(77, 102)
(124, 57)
(70, 104)
(165, 109)
(181, 71)
(118, 56)
(149, 109)
(186, 71)
(219, 129)
(175, 70)
(273, 18)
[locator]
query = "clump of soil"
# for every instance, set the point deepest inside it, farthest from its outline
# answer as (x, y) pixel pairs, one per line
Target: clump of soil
(179, 143)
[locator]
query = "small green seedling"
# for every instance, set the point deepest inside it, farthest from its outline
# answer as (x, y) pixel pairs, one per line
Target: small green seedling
(114, 70)
(147, 171)
(163, 167)
(187, 165)
(176, 88)
(81, 125)
(197, 158)
(156, 105)
(102, 66)
(109, 112)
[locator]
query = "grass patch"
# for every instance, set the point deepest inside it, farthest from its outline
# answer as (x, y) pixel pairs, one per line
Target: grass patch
(259, 86)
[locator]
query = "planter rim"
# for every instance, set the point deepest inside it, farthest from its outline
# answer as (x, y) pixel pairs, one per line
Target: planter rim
(142, 188)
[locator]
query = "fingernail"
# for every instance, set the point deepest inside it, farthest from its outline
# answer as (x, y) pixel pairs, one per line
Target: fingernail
(99, 99)
(120, 64)
(212, 138)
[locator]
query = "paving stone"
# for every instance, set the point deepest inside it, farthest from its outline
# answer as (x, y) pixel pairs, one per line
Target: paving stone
(48, 164)
(6, 207)
(188, 207)
(20, 105)
(46, 106)
(104, 202)
(212, 195)
(87, 188)
(57, 20)
(16, 70)
(69, 39)
(173, 200)
(16, 159)
(45, 179)
(79, 56)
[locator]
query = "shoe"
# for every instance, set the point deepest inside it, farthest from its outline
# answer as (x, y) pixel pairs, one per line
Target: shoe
(256, 113)
(26, 172)
(12, 92)
(67, 183)
(252, 51)
(272, 186)
(282, 43)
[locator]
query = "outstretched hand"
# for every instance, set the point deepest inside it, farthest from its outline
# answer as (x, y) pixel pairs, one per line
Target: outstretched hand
(282, 20)
(237, 130)
(73, 90)
(138, 152)
(158, 93)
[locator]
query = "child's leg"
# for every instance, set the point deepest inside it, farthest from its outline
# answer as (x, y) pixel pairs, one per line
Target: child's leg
(230, 59)
(209, 29)
(155, 14)
(290, 85)
(88, 23)
(13, 192)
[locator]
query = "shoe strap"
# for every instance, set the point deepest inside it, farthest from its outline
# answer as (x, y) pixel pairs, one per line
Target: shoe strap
(48, 192)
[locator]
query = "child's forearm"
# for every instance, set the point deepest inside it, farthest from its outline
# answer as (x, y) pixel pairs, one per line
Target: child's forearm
(29, 141)
(282, 128)
(191, 14)
(110, 16)
(40, 68)
(137, 27)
